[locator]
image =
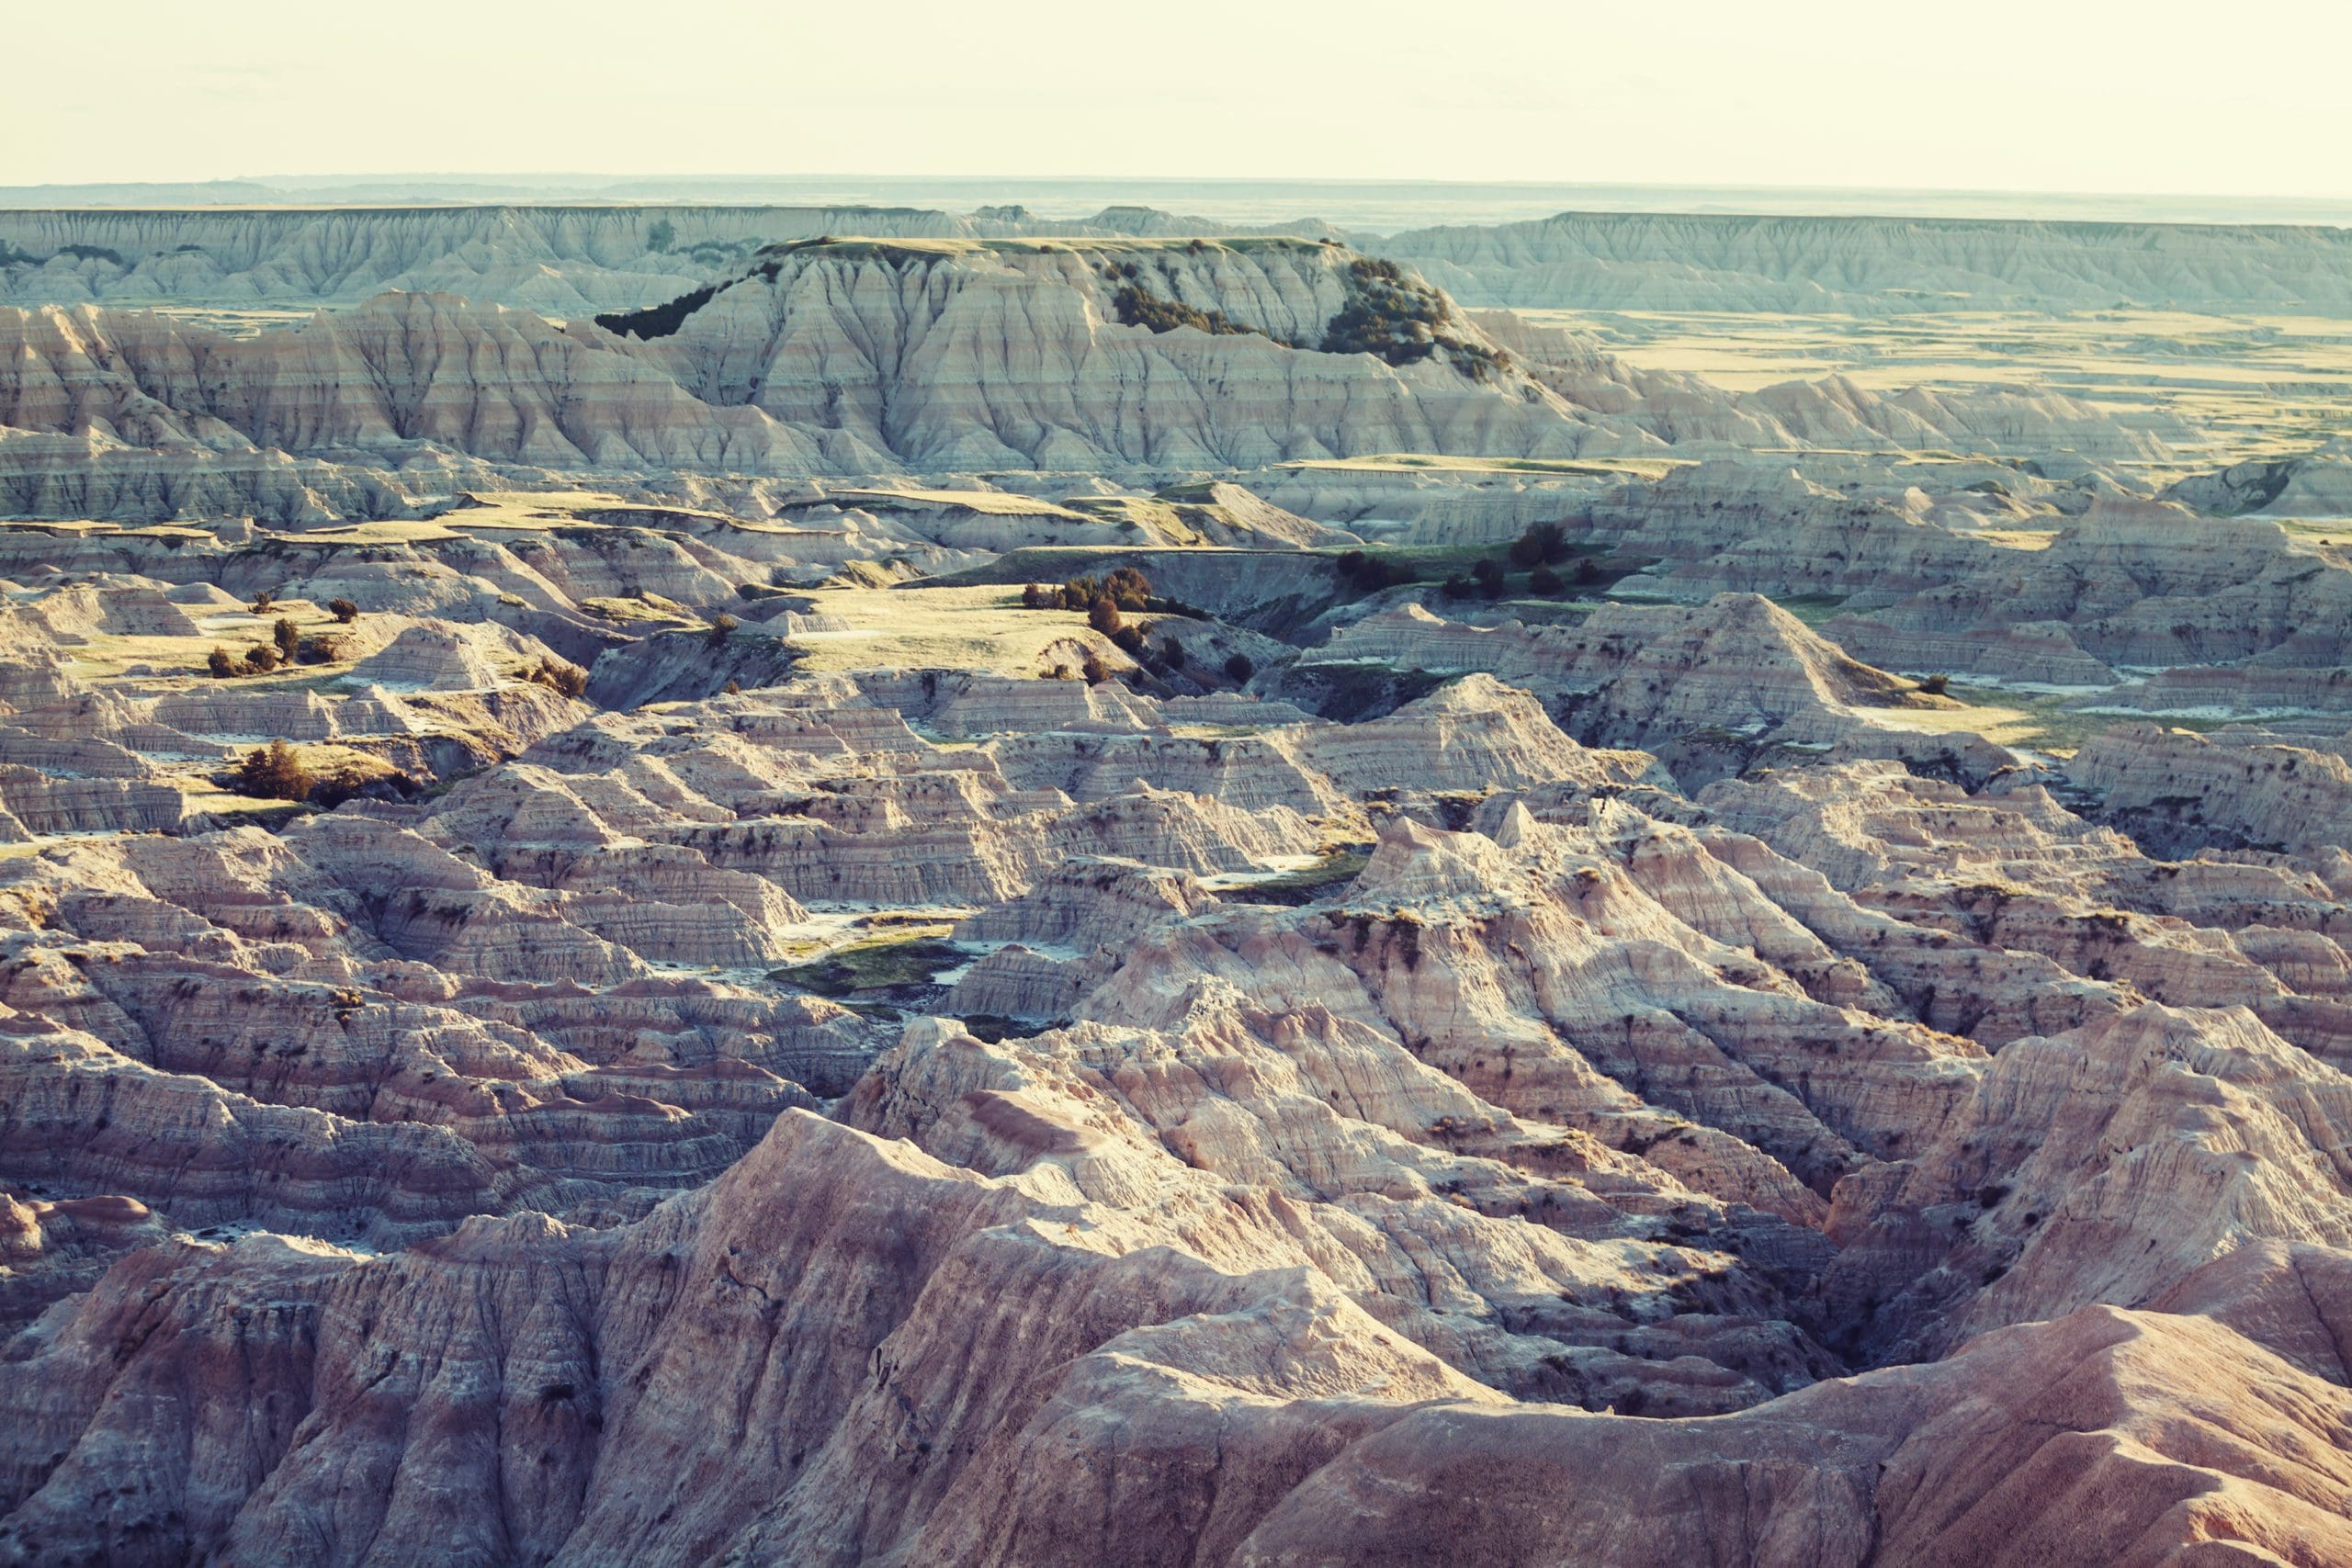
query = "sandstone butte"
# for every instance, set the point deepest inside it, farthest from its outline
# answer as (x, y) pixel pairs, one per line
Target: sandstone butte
(990, 893)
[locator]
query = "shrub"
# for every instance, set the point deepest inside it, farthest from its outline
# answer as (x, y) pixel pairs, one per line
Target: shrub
(286, 638)
(1035, 597)
(1543, 580)
(1105, 617)
(1093, 669)
(318, 650)
(1128, 589)
(1129, 640)
(1488, 572)
(1369, 573)
(1936, 685)
(1171, 653)
(1542, 544)
(261, 659)
(343, 610)
(221, 662)
(568, 679)
(732, 689)
(722, 626)
(1139, 307)
(1456, 588)
(661, 235)
(1588, 569)
(275, 772)
(1240, 668)
(263, 601)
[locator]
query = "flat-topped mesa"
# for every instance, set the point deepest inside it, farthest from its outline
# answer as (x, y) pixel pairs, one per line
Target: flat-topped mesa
(560, 259)
(1875, 265)
(906, 350)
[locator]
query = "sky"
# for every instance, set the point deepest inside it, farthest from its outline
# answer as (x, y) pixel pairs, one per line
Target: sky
(2157, 96)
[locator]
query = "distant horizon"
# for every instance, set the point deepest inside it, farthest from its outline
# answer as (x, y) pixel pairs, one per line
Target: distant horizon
(1356, 204)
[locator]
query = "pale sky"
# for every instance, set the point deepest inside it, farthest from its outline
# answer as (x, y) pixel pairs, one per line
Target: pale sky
(2247, 98)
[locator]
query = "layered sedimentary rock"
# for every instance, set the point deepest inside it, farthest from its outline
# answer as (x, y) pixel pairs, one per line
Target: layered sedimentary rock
(729, 1032)
(1875, 265)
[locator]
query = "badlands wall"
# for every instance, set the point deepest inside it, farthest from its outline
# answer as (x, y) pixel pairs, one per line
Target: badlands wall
(567, 258)
(1625, 261)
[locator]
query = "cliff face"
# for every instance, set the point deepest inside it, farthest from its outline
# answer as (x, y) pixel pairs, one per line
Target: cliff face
(1611, 261)
(870, 357)
(559, 259)
(573, 259)
(962, 357)
(853, 357)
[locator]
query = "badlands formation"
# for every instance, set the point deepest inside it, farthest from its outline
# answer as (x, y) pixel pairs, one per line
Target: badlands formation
(906, 887)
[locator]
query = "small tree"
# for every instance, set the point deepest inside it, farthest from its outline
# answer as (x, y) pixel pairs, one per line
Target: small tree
(722, 626)
(1936, 685)
(1129, 640)
(661, 235)
(568, 679)
(288, 640)
(1542, 544)
(1543, 580)
(1093, 669)
(275, 772)
(263, 601)
(221, 662)
(261, 659)
(343, 610)
(1171, 653)
(1035, 597)
(1128, 589)
(732, 689)
(1105, 617)
(1587, 571)
(1239, 668)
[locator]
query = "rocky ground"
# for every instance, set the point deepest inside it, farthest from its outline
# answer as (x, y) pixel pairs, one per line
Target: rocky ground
(1592, 969)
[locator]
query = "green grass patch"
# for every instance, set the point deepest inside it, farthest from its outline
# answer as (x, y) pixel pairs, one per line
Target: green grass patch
(1332, 871)
(906, 955)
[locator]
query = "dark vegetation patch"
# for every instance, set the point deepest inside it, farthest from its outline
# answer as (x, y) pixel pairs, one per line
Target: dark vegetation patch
(1307, 884)
(658, 321)
(1403, 320)
(875, 968)
(991, 1028)
(1352, 692)
(1139, 307)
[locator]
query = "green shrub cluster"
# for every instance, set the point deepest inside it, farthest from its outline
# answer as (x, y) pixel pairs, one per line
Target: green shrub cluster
(1402, 320)
(1126, 589)
(1370, 573)
(1138, 307)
